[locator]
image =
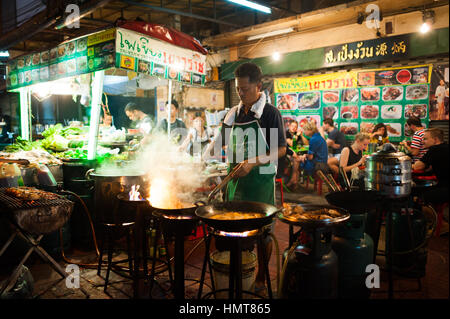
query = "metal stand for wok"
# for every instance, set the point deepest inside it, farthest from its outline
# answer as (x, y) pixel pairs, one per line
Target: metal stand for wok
(34, 246)
(235, 290)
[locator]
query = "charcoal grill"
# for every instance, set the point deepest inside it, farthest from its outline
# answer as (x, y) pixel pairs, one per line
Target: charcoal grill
(31, 221)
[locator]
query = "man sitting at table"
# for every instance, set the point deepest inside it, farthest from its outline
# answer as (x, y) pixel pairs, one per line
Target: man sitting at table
(436, 157)
(335, 142)
(317, 156)
(416, 148)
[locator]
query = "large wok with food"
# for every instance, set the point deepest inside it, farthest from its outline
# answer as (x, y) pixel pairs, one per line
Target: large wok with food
(312, 216)
(237, 216)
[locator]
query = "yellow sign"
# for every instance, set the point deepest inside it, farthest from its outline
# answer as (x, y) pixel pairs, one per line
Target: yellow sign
(127, 62)
(100, 37)
(340, 80)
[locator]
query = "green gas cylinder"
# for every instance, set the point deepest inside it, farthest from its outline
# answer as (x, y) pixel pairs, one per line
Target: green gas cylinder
(354, 249)
(409, 236)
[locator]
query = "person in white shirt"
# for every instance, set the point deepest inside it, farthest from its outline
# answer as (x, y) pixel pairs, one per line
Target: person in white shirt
(440, 95)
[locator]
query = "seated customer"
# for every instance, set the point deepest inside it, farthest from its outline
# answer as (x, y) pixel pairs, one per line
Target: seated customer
(197, 138)
(436, 157)
(416, 148)
(317, 156)
(294, 138)
(379, 135)
(336, 142)
(352, 157)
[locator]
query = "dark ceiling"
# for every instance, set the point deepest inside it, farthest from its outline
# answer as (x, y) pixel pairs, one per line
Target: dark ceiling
(199, 18)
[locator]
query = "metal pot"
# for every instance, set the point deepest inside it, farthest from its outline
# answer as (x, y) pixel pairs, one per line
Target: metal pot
(389, 172)
(57, 172)
(107, 185)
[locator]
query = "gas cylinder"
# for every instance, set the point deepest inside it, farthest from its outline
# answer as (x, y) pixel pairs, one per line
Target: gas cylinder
(354, 249)
(311, 270)
(407, 236)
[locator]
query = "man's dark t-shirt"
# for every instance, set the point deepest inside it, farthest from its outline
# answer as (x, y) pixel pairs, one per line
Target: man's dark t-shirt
(437, 157)
(270, 118)
(338, 138)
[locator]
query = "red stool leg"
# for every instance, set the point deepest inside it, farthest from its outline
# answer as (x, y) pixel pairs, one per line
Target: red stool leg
(280, 180)
(319, 186)
(440, 214)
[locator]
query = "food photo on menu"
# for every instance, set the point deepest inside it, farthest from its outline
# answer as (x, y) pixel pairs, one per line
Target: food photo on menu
(370, 94)
(391, 111)
(349, 112)
(350, 95)
(308, 100)
(330, 97)
(287, 101)
(417, 110)
(330, 112)
(349, 128)
(369, 111)
(417, 92)
(393, 93)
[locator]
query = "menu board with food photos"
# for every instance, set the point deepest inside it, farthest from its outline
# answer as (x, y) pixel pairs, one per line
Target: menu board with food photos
(388, 96)
(83, 55)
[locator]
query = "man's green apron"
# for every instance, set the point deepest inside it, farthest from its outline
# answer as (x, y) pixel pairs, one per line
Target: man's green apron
(259, 184)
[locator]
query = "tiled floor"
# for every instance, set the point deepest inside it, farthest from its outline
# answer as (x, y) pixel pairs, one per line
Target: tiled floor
(48, 284)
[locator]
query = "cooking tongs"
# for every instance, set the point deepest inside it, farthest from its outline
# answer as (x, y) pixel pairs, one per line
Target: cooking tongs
(224, 182)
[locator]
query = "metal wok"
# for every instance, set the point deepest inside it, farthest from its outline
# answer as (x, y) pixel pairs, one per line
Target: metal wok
(314, 223)
(206, 213)
(355, 202)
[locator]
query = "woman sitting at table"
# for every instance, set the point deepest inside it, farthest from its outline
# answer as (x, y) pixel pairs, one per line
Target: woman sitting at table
(294, 139)
(317, 156)
(379, 135)
(352, 157)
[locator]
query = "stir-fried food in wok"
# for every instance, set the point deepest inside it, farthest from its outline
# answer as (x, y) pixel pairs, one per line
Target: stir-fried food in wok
(29, 193)
(237, 215)
(293, 211)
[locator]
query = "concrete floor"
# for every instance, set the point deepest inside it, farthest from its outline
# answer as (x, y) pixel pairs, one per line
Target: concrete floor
(48, 284)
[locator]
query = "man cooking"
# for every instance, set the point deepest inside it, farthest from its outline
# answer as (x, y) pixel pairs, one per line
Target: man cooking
(256, 140)
(144, 122)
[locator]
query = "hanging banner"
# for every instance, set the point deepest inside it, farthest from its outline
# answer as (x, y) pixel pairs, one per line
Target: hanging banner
(143, 54)
(387, 96)
(83, 55)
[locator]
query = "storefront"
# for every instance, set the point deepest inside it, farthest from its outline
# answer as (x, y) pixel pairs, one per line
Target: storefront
(79, 68)
(378, 75)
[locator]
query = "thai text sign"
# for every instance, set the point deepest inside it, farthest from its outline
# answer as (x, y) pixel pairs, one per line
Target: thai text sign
(142, 47)
(367, 51)
(339, 80)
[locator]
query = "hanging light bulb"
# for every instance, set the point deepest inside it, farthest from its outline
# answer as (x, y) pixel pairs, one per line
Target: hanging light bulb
(276, 56)
(428, 20)
(425, 27)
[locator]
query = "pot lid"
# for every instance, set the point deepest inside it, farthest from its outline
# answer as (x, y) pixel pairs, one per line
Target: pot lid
(388, 151)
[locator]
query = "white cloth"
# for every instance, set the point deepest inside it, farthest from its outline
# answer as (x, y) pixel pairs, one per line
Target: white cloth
(257, 108)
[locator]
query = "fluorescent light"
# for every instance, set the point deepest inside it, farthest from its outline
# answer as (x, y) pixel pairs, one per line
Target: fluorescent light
(252, 5)
(270, 34)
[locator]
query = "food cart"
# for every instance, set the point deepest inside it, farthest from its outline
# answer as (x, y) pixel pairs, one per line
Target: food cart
(136, 47)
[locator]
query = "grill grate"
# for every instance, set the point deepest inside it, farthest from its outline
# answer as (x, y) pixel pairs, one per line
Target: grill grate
(13, 203)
